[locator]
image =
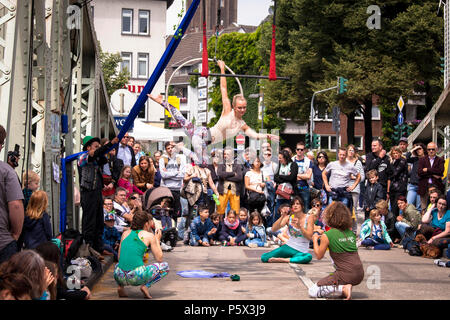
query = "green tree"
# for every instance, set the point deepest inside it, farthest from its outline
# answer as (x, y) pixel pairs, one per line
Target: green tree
(114, 78)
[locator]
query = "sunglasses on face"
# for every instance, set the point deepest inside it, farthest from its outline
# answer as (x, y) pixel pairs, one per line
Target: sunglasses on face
(431, 149)
(316, 205)
(108, 204)
(268, 154)
(298, 149)
(133, 198)
(320, 157)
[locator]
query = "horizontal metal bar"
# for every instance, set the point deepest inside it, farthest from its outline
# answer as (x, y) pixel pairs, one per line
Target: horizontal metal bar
(237, 76)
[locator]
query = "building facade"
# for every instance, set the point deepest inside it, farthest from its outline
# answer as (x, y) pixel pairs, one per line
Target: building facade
(136, 30)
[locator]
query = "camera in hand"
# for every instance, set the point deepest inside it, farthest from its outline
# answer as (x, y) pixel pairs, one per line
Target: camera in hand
(13, 156)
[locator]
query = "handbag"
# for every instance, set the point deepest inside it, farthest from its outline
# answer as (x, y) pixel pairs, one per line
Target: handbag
(284, 191)
(255, 197)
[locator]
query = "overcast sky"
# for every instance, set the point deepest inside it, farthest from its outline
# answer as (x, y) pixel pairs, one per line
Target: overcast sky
(250, 12)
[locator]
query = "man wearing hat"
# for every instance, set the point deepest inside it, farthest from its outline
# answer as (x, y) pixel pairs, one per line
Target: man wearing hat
(403, 145)
(91, 184)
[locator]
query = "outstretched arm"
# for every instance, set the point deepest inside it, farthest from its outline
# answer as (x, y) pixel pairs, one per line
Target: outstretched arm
(223, 89)
(259, 136)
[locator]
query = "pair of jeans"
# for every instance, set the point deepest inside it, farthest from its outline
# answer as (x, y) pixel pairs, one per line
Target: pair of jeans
(270, 199)
(413, 197)
(306, 197)
(195, 243)
(258, 241)
(8, 251)
(401, 227)
(369, 242)
(341, 199)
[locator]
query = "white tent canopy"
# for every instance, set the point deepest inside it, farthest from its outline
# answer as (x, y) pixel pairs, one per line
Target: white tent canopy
(146, 132)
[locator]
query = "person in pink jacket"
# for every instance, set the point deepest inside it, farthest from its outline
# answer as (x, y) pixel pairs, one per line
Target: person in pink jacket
(125, 181)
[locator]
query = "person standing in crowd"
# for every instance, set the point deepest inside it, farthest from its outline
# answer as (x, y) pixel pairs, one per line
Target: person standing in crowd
(378, 159)
(131, 141)
(340, 185)
(230, 181)
(30, 182)
(113, 168)
(91, 185)
(125, 152)
(37, 227)
(413, 157)
(409, 216)
(213, 167)
(398, 180)
(155, 159)
(322, 162)
(286, 179)
(403, 145)
(255, 186)
(353, 158)
(430, 171)
(138, 153)
(144, 174)
(269, 168)
(304, 174)
(172, 170)
(247, 158)
(373, 193)
(11, 207)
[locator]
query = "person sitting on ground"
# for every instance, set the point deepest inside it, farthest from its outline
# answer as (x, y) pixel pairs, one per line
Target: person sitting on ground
(301, 228)
(50, 252)
(436, 224)
(387, 217)
(131, 269)
(231, 233)
(111, 237)
(373, 193)
(144, 174)
(341, 242)
(409, 216)
(277, 236)
(215, 231)
(122, 210)
(126, 181)
(202, 228)
(256, 233)
(15, 286)
(433, 195)
(243, 218)
(316, 205)
(374, 234)
(37, 227)
(30, 264)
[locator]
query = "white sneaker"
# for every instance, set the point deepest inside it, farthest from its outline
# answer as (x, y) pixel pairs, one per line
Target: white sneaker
(165, 247)
(253, 245)
(266, 245)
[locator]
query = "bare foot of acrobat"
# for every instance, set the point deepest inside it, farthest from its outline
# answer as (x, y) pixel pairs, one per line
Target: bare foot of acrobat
(144, 290)
(121, 292)
(347, 291)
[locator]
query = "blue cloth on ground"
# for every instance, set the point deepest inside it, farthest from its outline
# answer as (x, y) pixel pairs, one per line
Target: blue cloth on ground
(202, 274)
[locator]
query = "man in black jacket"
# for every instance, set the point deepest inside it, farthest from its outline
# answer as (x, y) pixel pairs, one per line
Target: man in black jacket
(378, 160)
(91, 184)
(125, 152)
(230, 183)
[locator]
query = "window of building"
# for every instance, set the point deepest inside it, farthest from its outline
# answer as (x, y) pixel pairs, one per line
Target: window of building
(358, 142)
(144, 22)
(328, 142)
(127, 21)
(126, 62)
(142, 65)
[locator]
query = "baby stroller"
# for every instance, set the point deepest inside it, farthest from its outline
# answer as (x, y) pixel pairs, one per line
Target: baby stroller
(158, 201)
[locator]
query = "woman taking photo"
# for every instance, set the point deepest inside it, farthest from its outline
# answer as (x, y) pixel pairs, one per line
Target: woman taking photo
(254, 184)
(300, 231)
(398, 179)
(285, 179)
(143, 174)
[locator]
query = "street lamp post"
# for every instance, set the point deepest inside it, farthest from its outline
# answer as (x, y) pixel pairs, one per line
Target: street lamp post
(311, 124)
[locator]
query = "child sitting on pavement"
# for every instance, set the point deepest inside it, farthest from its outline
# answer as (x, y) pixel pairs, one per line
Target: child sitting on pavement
(256, 233)
(201, 228)
(374, 234)
(243, 218)
(231, 233)
(111, 237)
(215, 232)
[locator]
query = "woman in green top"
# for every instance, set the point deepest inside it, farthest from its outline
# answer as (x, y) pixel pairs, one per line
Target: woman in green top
(343, 250)
(131, 269)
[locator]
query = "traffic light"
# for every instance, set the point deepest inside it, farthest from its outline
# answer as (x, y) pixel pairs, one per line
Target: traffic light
(315, 141)
(442, 64)
(397, 132)
(409, 130)
(307, 140)
(342, 85)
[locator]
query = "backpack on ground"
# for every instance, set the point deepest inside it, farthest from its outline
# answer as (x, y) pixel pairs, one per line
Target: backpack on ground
(411, 245)
(71, 241)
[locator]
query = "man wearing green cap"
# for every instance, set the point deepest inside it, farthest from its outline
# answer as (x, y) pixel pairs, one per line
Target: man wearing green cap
(91, 184)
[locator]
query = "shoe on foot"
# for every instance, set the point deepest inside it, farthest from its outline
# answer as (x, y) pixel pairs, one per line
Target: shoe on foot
(440, 263)
(165, 247)
(253, 245)
(266, 244)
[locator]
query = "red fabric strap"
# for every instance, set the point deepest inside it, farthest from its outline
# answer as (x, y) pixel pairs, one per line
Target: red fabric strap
(273, 67)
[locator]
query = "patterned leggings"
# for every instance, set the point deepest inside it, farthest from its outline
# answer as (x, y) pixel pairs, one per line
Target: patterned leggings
(198, 135)
(144, 275)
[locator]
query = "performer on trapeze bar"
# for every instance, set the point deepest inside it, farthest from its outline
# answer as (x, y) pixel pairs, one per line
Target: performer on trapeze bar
(228, 126)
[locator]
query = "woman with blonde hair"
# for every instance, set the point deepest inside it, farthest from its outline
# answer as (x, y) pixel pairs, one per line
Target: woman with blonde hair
(36, 226)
